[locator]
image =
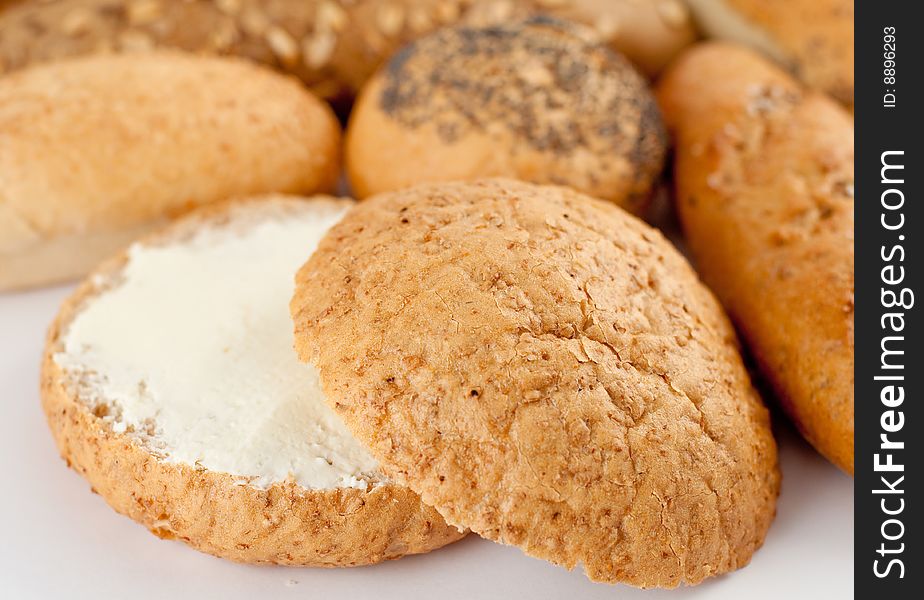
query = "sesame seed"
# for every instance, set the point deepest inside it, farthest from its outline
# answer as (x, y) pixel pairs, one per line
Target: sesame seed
(331, 16)
(318, 49)
(254, 23)
(283, 45)
(390, 19)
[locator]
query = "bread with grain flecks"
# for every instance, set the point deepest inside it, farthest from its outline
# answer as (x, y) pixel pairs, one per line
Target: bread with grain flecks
(333, 46)
(547, 370)
(537, 100)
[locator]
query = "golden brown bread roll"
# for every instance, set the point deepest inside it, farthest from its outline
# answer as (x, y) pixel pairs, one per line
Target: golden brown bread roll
(764, 176)
(811, 38)
(547, 370)
(536, 100)
(332, 45)
(96, 150)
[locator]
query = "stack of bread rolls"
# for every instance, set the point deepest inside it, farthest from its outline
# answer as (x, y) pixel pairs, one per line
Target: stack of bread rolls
(490, 339)
(332, 45)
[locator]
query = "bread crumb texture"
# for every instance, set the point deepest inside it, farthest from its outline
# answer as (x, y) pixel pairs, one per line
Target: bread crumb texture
(212, 511)
(547, 370)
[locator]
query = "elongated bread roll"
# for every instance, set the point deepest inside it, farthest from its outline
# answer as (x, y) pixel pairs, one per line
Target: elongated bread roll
(96, 150)
(811, 38)
(764, 175)
(170, 383)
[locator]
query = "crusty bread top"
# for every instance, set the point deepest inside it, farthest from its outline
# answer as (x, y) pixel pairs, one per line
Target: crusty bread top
(547, 370)
(538, 86)
(104, 143)
(466, 78)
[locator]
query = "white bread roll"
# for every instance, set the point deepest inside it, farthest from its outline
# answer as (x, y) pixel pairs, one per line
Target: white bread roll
(96, 150)
(170, 382)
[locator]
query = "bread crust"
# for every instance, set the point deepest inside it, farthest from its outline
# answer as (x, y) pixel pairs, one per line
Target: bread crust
(536, 100)
(547, 370)
(333, 46)
(97, 146)
(811, 38)
(764, 176)
(284, 524)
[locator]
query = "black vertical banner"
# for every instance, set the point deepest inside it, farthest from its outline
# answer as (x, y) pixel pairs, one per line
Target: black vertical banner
(889, 47)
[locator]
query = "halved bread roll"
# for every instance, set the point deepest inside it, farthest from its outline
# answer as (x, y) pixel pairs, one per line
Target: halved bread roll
(97, 150)
(170, 382)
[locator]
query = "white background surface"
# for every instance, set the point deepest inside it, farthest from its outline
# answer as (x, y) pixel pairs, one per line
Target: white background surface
(61, 541)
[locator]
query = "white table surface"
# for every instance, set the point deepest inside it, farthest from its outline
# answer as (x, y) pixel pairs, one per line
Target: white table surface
(61, 541)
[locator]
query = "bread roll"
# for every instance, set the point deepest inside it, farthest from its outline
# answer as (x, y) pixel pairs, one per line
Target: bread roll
(533, 100)
(332, 45)
(547, 370)
(811, 38)
(764, 175)
(96, 150)
(170, 383)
